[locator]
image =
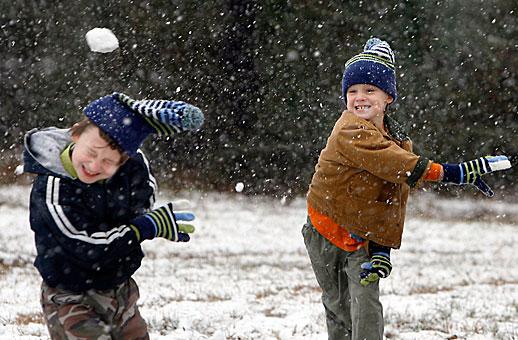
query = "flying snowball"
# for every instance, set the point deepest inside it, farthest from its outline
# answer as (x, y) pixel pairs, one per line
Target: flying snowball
(19, 170)
(101, 40)
(239, 187)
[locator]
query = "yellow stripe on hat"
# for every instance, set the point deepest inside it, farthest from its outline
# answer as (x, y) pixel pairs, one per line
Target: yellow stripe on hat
(161, 129)
(369, 57)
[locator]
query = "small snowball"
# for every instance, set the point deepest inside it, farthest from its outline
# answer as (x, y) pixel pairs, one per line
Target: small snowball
(19, 170)
(101, 40)
(239, 187)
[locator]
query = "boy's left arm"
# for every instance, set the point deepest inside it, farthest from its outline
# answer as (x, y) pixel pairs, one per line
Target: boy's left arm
(148, 223)
(469, 172)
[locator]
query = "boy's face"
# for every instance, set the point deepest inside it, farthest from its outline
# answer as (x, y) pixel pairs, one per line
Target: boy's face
(367, 101)
(92, 158)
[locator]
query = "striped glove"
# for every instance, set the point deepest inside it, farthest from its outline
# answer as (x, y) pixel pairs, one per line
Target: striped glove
(378, 267)
(162, 222)
(471, 172)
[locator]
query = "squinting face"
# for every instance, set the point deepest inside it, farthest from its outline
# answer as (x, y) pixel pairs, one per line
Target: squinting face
(92, 158)
(367, 101)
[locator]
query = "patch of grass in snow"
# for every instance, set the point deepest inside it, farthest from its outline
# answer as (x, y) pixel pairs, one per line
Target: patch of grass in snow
(274, 312)
(441, 320)
(25, 319)
(437, 289)
(263, 294)
(209, 297)
(302, 289)
(429, 290)
(162, 324)
(7, 265)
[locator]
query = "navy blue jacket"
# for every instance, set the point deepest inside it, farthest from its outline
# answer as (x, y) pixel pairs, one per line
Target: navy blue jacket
(82, 235)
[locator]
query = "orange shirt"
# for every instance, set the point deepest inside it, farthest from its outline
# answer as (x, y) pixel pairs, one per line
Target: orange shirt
(335, 234)
(435, 173)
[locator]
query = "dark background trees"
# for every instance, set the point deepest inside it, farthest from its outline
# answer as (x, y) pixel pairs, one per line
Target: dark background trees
(267, 75)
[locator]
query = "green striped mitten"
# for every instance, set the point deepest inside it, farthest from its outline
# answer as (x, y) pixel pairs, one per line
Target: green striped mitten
(163, 222)
(378, 267)
(471, 172)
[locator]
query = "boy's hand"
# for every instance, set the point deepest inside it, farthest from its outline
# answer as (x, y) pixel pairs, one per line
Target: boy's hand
(378, 267)
(162, 222)
(471, 172)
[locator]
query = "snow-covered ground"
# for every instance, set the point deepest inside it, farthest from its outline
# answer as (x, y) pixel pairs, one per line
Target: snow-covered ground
(246, 275)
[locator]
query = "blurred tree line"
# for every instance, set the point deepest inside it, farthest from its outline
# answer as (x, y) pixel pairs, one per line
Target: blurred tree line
(267, 75)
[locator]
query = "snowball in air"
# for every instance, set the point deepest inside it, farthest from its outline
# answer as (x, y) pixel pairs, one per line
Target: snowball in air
(101, 40)
(19, 170)
(239, 187)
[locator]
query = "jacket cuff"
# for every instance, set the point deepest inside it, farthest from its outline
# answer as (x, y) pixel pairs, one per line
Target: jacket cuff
(378, 248)
(452, 173)
(417, 173)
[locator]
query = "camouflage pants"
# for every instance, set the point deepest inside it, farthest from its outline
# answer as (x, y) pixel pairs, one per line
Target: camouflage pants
(94, 314)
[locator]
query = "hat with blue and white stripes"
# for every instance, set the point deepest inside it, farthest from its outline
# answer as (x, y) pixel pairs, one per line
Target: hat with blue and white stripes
(375, 66)
(128, 121)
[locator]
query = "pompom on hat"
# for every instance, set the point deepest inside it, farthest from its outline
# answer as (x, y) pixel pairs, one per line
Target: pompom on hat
(128, 122)
(375, 66)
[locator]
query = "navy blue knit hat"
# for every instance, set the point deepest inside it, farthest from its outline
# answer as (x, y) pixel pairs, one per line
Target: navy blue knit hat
(128, 122)
(375, 66)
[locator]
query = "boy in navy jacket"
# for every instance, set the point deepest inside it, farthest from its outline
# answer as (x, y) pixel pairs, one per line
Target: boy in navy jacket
(90, 208)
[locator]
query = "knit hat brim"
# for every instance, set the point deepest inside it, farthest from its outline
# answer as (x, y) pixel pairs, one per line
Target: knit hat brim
(367, 72)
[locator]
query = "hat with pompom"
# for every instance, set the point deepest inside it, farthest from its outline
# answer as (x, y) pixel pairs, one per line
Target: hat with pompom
(128, 122)
(375, 66)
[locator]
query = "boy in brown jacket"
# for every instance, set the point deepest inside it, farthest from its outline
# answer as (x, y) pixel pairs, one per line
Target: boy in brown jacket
(357, 197)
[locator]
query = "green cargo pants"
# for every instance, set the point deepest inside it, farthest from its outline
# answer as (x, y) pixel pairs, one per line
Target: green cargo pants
(94, 314)
(352, 311)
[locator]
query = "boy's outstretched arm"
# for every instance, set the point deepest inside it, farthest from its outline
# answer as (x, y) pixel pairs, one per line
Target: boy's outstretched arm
(470, 172)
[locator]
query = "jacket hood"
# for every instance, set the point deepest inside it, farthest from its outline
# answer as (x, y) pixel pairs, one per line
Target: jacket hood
(42, 150)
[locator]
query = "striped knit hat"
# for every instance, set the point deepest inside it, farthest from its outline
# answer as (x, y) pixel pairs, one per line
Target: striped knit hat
(375, 66)
(128, 122)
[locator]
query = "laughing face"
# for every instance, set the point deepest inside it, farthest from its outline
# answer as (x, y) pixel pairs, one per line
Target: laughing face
(92, 158)
(368, 102)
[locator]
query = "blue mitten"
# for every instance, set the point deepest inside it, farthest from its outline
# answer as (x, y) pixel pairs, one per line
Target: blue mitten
(471, 172)
(162, 222)
(379, 265)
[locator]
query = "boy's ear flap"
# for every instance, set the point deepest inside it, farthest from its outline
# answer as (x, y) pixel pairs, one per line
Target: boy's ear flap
(390, 100)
